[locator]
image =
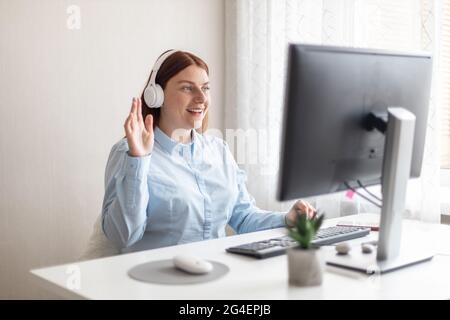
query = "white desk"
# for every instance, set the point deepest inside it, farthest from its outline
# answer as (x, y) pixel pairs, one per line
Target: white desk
(254, 279)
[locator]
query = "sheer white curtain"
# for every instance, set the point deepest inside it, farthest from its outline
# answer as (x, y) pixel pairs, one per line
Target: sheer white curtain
(257, 33)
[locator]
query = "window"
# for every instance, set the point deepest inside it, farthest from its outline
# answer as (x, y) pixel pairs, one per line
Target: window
(445, 85)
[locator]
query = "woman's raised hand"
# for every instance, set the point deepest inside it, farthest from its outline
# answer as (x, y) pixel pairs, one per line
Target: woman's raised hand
(139, 132)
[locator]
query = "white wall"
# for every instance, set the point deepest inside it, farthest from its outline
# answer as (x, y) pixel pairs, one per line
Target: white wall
(64, 95)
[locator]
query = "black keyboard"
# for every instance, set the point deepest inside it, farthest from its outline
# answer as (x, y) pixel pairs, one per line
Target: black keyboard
(277, 246)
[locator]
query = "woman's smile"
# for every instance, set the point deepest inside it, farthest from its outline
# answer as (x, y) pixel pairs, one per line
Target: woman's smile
(196, 112)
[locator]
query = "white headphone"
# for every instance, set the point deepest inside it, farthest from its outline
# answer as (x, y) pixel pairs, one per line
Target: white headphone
(153, 93)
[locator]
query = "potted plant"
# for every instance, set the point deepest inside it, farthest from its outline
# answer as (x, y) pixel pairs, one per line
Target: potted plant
(305, 263)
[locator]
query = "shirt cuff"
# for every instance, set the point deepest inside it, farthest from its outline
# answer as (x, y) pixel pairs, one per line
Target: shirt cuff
(280, 221)
(137, 167)
(286, 222)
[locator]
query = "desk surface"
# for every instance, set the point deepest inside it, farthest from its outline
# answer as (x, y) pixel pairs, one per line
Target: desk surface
(252, 279)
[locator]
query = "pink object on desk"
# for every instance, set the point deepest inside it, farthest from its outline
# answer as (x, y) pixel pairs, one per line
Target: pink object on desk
(349, 194)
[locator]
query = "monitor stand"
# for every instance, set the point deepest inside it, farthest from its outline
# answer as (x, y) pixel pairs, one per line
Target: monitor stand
(396, 171)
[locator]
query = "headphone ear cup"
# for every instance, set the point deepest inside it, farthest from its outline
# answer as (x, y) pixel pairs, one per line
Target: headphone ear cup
(159, 96)
(150, 96)
(154, 96)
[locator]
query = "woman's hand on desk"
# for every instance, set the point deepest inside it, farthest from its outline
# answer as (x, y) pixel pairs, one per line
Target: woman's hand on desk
(139, 133)
(300, 207)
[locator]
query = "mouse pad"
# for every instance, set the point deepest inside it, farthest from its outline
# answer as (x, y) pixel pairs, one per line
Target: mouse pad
(164, 272)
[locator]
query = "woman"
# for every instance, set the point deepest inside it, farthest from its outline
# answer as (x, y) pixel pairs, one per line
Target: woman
(167, 183)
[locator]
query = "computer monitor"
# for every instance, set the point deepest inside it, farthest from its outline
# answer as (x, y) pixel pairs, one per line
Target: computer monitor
(355, 117)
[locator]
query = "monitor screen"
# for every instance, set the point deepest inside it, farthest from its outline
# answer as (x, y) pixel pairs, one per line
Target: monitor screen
(330, 92)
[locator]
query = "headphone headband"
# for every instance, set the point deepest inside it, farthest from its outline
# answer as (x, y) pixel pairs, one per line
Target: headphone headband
(158, 64)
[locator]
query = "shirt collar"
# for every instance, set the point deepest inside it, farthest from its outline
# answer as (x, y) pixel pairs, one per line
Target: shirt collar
(171, 145)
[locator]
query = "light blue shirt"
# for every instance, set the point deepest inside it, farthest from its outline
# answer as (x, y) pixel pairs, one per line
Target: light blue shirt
(179, 193)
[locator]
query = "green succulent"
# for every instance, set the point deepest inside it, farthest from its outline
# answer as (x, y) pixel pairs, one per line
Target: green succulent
(305, 229)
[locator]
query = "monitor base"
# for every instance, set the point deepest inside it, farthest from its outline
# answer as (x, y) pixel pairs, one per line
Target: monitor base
(368, 263)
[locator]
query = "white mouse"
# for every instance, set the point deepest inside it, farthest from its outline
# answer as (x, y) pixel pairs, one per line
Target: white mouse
(342, 248)
(367, 248)
(192, 264)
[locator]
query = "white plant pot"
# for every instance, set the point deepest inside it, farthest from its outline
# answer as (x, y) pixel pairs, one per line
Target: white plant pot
(305, 266)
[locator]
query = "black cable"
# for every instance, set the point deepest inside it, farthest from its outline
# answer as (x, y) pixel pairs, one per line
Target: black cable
(361, 195)
(365, 189)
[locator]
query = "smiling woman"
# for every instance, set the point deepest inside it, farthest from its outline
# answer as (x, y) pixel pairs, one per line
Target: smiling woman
(173, 77)
(167, 183)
